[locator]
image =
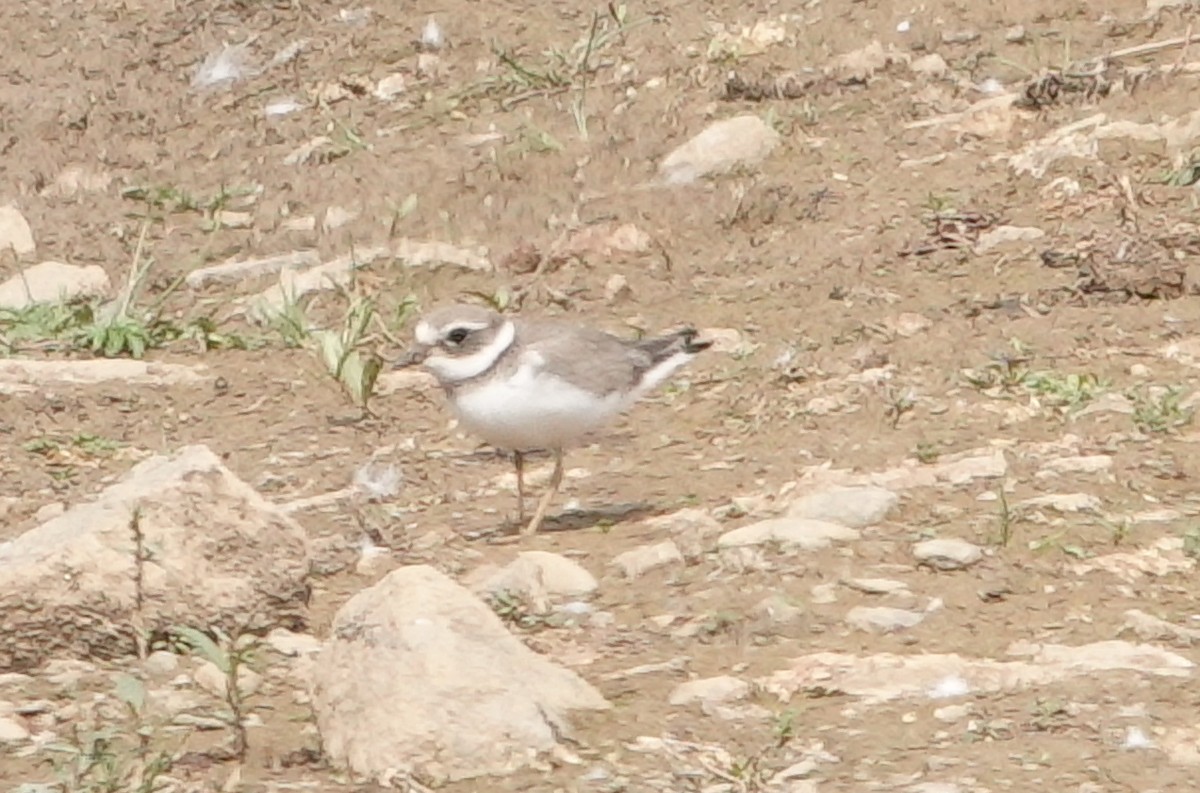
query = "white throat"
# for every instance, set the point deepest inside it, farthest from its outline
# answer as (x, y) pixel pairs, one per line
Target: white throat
(450, 370)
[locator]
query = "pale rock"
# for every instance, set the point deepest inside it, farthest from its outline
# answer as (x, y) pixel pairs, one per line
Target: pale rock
(67, 672)
(53, 282)
(877, 586)
(233, 270)
(855, 507)
(161, 664)
(710, 690)
(1150, 628)
(616, 288)
(950, 553)
(24, 375)
(931, 65)
(391, 86)
(11, 731)
(212, 680)
(1107, 403)
(724, 340)
(419, 677)
(803, 533)
(290, 644)
(304, 224)
(638, 561)
(536, 575)
(744, 140)
(336, 217)
(778, 610)
(222, 556)
(948, 714)
(881, 677)
(801, 770)
(690, 528)
(75, 179)
(1085, 464)
(1063, 502)
(909, 324)
(882, 619)
(1004, 235)
(1015, 34)
(824, 593)
(861, 64)
(232, 219)
(293, 285)
(15, 233)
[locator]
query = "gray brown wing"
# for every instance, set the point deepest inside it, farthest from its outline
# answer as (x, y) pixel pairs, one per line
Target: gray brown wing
(599, 361)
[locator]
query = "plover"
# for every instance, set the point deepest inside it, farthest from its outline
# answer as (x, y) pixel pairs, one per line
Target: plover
(527, 384)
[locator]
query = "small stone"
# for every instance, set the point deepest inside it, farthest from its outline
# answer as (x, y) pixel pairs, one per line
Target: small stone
(959, 36)
(11, 731)
(947, 554)
(15, 233)
(724, 340)
(391, 86)
(882, 619)
(710, 690)
(289, 644)
(536, 575)
(1015, 35)
(1063, 502)
(67, 672)
(876, 586)
(617, 288)
(723, 145)
(1003, 235)
(801, 770)
(910, 324)
(824, 593)
(161, 663)
(304, 223)
(336, 217)
(212, 679)
(802, 533)
(855, 507)
(52, 282)
(949, 714)
(638, 561)
(229, 219)
(778, 609)
(931, 65)
(1087, 464)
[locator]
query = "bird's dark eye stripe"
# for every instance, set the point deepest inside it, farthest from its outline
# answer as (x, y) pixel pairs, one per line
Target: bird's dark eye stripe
(457, 336)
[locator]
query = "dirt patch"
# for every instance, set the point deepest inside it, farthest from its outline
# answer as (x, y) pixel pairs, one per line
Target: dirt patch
(844, 277)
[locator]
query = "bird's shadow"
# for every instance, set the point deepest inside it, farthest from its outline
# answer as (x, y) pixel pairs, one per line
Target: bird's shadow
(605, 517)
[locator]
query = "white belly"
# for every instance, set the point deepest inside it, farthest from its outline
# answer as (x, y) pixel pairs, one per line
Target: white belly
(533, 410)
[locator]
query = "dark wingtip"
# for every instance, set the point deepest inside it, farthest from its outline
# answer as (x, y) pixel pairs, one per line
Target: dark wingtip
(690, 343)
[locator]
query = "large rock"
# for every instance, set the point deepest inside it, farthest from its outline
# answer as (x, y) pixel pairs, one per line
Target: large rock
(420, 677)
(214, 553)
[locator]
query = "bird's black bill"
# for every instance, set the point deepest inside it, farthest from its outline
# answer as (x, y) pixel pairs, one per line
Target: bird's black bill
(413, 357)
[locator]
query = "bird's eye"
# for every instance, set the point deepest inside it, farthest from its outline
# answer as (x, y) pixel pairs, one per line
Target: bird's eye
(457, 336)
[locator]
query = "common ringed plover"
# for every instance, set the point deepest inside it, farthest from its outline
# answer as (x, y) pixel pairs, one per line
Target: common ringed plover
(525, 384)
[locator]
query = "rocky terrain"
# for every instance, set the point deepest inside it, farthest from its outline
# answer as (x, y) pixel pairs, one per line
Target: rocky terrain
(923, 519)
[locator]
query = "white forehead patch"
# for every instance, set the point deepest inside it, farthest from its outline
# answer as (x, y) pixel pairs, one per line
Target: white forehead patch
(426, 334)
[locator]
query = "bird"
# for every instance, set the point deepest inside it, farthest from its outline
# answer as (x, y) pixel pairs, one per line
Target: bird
(524, 384)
